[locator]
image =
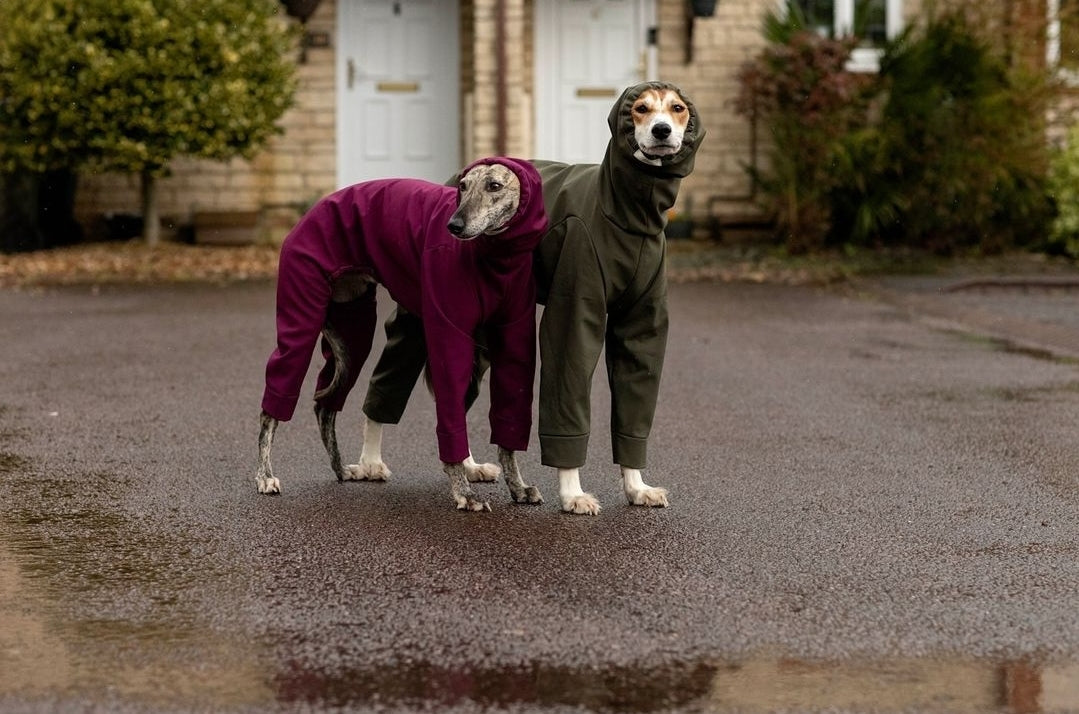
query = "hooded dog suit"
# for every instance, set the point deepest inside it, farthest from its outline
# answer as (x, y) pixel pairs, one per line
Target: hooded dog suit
(394, 232)
(600, 272)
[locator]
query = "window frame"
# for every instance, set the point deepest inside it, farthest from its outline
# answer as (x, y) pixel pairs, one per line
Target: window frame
(864, 59)
(1069, 75)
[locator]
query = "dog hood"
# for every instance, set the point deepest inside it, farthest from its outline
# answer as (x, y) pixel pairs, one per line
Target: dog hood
(528, 225)
(630, 190)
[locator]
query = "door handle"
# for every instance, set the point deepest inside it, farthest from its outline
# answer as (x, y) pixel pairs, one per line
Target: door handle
(350, 73)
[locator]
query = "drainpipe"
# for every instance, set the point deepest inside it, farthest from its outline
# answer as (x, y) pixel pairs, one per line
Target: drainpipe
(501, 93)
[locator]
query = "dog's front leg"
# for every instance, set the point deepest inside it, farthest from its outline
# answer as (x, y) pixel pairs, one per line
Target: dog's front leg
(327, 427)
(264, 478)
(639, 493)
(574, 500)
(520, 491)
(371, 466)
(461, 491)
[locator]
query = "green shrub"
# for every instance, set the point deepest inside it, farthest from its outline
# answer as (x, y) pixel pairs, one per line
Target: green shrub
(128, 85)
(958, 158)
(944, 149)
(1064, 189)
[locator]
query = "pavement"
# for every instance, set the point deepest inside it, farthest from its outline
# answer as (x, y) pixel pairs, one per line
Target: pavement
(1030, 311)
(874, 507)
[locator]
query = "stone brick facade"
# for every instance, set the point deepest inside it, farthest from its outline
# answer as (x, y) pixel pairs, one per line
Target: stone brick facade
(496, 59)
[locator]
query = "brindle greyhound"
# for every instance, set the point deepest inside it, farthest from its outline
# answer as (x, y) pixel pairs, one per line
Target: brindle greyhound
(336, 291)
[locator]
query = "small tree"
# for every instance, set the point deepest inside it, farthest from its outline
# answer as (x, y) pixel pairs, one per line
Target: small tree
(129, 85)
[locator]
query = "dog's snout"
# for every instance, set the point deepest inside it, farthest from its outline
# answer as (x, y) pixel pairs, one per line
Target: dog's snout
(456, 225)
(661, 131)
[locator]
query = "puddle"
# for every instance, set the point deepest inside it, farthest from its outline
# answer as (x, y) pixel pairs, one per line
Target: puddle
(754, 685)
(47, 655)
(96, 608)
(624, 689)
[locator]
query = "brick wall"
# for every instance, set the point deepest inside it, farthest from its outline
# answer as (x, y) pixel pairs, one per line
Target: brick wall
(480, 79)
(705, 66)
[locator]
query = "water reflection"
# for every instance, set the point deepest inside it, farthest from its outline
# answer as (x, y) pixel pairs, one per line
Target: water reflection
(95, 609)
(46, 654)
(755, 685)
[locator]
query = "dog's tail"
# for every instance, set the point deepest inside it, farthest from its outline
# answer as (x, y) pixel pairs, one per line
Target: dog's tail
(340, 362)
(480, 363)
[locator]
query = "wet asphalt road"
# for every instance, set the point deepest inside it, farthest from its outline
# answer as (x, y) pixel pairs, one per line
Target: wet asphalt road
(869, 511)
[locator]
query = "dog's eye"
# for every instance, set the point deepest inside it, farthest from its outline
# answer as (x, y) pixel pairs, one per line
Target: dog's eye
(678, 108)
(463, 186)
(641, 109)
(493, 186)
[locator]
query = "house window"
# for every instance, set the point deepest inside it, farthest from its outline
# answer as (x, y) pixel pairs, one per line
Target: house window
(872, 20)
(1062, 43)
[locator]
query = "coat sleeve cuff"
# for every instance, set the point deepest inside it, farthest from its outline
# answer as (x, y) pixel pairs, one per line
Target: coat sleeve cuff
(453, 446)
(512, 435)
(279, 407)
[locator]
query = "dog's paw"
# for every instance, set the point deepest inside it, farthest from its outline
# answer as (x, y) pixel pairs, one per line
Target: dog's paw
(649, 496)
(371, 471)
(476, 473)
(584, 504)
(471, 503)
(529, 494)
(270, 486)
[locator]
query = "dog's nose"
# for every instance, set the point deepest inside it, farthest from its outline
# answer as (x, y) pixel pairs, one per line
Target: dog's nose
(456, 225)
(661, 131)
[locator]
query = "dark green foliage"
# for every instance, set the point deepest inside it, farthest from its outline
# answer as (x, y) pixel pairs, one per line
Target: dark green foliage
(960, 149)
(129, 84)
(1064, 188)
(944, 150)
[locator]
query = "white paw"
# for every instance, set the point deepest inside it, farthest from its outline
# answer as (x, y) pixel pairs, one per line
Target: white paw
(584, 504)
(655, 497)
(468, 503)
(368, 471)
(268, 485)
(482, 472)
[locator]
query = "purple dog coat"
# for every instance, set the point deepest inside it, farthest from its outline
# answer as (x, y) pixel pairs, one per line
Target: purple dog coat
(394, 231)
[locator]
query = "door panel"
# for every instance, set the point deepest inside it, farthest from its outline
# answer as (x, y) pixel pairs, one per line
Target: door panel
(397, 65)
(588, 51)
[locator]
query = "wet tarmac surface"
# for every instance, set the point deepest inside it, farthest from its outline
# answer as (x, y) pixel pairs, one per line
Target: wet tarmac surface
(869, 512)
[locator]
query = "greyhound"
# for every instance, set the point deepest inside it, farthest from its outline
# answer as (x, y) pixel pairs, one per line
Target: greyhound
(460, 257)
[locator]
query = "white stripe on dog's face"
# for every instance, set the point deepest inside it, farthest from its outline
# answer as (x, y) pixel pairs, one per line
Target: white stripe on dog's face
(660, 118)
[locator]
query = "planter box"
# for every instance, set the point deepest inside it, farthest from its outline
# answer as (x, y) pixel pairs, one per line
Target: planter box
(678, 229)
(226, 227)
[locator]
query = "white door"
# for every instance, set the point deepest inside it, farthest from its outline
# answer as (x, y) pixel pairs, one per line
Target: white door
(587, 52)
(397, 90)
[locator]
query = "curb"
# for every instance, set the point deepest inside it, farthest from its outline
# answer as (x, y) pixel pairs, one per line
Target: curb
(940, 309)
